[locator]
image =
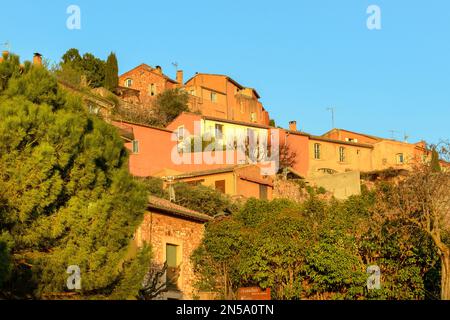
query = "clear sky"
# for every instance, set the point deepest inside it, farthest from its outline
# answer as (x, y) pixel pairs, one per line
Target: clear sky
(302, 56)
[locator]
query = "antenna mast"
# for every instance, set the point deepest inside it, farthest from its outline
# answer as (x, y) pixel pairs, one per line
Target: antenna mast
(7, 45)
(331, 109)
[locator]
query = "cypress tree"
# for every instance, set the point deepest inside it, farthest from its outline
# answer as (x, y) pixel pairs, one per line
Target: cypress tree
(111, 72)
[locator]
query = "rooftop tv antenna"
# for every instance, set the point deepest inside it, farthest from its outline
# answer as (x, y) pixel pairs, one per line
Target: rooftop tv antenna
(7, 45)
(331, 109)
(175, 65)
(405, 137)
(393, 132)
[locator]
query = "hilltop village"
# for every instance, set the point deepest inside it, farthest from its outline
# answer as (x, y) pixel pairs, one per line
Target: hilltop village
(220, 106)
(226, 140)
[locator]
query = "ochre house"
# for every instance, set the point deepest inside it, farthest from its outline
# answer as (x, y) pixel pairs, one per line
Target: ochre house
(220, 96)
(386, 153)
(241, 181)
(329, 156)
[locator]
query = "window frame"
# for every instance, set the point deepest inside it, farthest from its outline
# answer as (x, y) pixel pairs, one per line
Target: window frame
(213, 97)
(135, 146)
(317, 151)
(128, 82)
(400, 158)
(221, 186)
(152, 90)
(342, 154)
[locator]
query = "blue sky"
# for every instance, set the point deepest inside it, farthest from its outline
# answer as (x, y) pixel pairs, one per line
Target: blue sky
(302, 56)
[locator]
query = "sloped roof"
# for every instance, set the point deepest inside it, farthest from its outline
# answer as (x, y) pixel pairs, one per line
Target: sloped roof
(176, 210)
(202, 173)
(150, 69)
(358, 133)
(237, 84)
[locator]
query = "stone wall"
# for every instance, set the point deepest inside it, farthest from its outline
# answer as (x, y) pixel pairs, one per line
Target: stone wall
(159, 230)
(342, 185)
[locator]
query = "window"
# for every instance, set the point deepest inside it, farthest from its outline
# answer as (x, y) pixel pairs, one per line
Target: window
(341, 154)
(262, 192)
(213, 97)
(180, 133)
(152, 90)
(219, 132)
(317, 151)
(135, 146)
(400, 158)
(128, 83)
(173, 273)
(254, 117)
(192, 92)
(220, 186)
(351, 140)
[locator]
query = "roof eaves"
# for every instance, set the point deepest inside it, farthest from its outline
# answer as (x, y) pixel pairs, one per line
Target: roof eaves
(177, 212)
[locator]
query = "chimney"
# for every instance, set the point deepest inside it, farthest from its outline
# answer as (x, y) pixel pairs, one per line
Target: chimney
(180, 77)
(293, 126)
(37, 59)
(158, 70)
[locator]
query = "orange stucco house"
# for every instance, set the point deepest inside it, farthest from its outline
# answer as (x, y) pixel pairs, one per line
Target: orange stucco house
(220, 96)
(157, 152)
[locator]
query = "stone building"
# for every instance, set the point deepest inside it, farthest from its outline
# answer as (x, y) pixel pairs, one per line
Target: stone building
(146, 80)
(174, 232)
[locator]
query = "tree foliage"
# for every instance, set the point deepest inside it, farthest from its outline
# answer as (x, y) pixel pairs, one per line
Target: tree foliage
(66, 197)
(318, 249)
(73, 67)
(111, 73)
(168, 105)
(195, 197)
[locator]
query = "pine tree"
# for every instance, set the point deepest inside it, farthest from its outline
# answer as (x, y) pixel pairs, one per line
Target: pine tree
(111, 72)
(66, 197)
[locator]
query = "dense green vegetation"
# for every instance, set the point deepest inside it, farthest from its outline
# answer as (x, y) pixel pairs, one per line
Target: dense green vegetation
(66, 197)
(88, 70)
(316, 250)
(195, 197)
